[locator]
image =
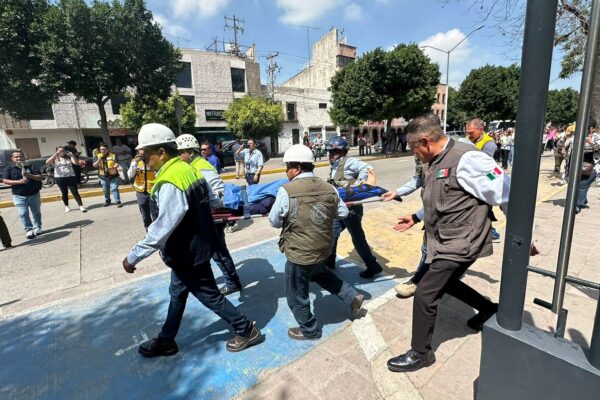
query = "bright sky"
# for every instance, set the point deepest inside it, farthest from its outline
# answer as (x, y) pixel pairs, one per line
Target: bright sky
(273, 26)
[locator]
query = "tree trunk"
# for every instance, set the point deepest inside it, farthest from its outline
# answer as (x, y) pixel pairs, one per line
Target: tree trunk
(103, 120)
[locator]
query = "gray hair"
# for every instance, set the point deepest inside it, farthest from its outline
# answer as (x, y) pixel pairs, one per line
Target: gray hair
(477, 123)
(427, 125)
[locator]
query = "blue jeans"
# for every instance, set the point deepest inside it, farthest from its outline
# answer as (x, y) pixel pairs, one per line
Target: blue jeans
(354, 224)
(250, 178)
(109, 185)
(584, 185)
(223, 259)
(200, 282)
(297, 282)
(26, 203)
(148, 208)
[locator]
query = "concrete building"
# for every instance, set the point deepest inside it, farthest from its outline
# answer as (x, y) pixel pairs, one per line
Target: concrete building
(439, 107)
(209, 80)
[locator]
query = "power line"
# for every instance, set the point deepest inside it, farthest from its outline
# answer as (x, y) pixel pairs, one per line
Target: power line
(272, 70)
(235, 28)
(308, 29)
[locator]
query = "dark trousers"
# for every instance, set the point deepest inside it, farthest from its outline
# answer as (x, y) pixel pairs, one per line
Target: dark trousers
(250, 179)
(148, 208)
(585, 182)
(297, 282)
(223, 259)
(77, 170)
(4, 234)
(361, 150)
(442, 277)
(353, 222)
(504, 155)
(66, 184)
(200, 282)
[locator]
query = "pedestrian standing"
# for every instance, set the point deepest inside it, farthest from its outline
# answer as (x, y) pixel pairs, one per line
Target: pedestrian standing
(25, 182)
(108, 175)
(209, 155)
(65, 177)
(361, 145)
(239, 160)
(184, 233)
(368, 143)
(588, 170)
(402, 140)
(560, 151)
(5, 234)
(306, 139)
(306, 240)
(71, 147)
(318, 146)
(123, 153)
(189, 151)
(345, 172)
(143, 181)
(506, 143)
(460, 187)
(254, 161)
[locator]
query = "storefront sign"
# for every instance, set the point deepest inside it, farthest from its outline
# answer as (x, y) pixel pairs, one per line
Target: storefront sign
(117, 132)
(215, 115)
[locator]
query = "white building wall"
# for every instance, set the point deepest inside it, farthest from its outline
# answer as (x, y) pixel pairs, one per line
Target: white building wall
(48, 140)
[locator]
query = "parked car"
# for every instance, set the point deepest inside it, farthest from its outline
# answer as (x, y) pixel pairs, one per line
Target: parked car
(228, 151)
(456, 133)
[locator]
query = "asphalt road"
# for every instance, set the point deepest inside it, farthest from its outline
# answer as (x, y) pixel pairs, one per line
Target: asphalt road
(82, 253)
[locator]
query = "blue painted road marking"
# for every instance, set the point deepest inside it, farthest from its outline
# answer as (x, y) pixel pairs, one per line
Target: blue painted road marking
(87, 348)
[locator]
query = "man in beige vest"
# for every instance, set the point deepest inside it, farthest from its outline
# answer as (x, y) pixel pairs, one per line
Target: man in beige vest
(305, 209)
(460, 187)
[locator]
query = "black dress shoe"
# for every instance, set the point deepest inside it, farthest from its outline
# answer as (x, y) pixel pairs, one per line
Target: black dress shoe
(476, 322)
(411, 361)
(370, 273)
(239, 343)
(158, 347)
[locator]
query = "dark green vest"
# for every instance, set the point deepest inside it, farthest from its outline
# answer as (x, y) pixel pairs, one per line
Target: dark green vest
(339, 180)
(307, 234)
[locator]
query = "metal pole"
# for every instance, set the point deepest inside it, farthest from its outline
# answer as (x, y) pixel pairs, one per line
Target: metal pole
(594, 353)
(585, 99)
(447, 91)
(536, 60)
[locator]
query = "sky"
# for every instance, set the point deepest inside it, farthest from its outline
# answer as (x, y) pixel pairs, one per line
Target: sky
(280, 26)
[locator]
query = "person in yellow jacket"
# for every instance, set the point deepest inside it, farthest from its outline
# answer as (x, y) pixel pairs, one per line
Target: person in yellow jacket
(143, 180)
(108, 174)
(479, 138)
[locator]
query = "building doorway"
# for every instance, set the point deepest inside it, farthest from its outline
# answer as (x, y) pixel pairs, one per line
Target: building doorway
(30, 146)
(295, 136)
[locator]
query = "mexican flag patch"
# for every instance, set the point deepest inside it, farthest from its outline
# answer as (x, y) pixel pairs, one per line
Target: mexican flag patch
(493, 174)
(442, 173)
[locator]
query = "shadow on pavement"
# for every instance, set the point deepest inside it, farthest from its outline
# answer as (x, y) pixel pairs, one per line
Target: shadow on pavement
(70, 225)
(481, 275)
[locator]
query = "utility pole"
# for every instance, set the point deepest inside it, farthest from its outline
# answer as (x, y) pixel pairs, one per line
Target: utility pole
(272, 70)
(308, 28)
(235, 28)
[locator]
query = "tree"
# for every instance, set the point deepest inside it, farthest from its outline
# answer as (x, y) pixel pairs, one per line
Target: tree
(382, 85)
(562, 106)
(98, 51)
(20, 66)
(254, 117)
(490, 93)
(142, 110)
(456, 118)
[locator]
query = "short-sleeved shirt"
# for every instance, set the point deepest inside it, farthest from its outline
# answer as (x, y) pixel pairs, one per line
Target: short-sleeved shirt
(63, 167)
(13, 173)
(253, 160)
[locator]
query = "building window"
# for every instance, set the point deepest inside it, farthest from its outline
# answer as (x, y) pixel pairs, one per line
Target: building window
(238, 79)
(290, 111)
(323, 105)
(184, 77)
(116, 102)
(443, 98)
(442, 118)
(42, 112)
(191, 100)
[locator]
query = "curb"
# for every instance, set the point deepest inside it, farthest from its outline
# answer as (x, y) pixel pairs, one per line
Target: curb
(127, 189)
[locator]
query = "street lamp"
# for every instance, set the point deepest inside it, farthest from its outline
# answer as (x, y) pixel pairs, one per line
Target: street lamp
(448, 69)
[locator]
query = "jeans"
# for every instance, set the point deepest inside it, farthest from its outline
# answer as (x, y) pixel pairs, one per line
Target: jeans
(584, 185)
(297, 282)
(200, 281)
(223, 259)
(250, 178)
(109, 185)
(423, 267)
(23, 205)
(148, 208)
(354, 224)
(361, 150)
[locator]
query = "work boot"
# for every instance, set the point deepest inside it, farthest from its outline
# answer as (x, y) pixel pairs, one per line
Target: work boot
(107, 203)
(158, 347)
(239, 343)
(406, 289)
(356, 305)
(411, 361)
(370, 273)
(476, 322)
(296, 334)
(119, 204)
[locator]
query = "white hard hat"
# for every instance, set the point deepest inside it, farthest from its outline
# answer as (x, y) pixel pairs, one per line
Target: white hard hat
(187, 141)
(153, 134)
(299, 153)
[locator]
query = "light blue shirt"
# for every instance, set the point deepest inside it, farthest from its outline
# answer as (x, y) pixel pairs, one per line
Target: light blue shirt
(281, 207)
(416, 182)
(253, 160)
(353, 169)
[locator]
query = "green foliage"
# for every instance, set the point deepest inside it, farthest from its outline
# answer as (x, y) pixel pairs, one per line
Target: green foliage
(20, 64)
(456, 118)
(384, 85)
(254, 117)
(99, 50)
(562, 106)
(490, 93)
(139, 111)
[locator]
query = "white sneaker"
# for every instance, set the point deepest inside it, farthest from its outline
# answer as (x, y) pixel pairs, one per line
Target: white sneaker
(82, 209)
(406, 289)
(29, 234)
(37, 231)
(67, 209)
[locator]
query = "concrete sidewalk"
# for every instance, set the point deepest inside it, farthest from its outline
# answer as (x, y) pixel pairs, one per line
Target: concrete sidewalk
(351, 364)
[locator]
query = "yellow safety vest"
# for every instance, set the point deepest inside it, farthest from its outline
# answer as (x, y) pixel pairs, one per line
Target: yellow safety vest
(483, 140)
(144, 178)
(108, 166)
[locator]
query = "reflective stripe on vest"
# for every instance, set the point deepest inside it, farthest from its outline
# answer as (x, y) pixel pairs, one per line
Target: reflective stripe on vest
(144, 178)
(483, 140)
